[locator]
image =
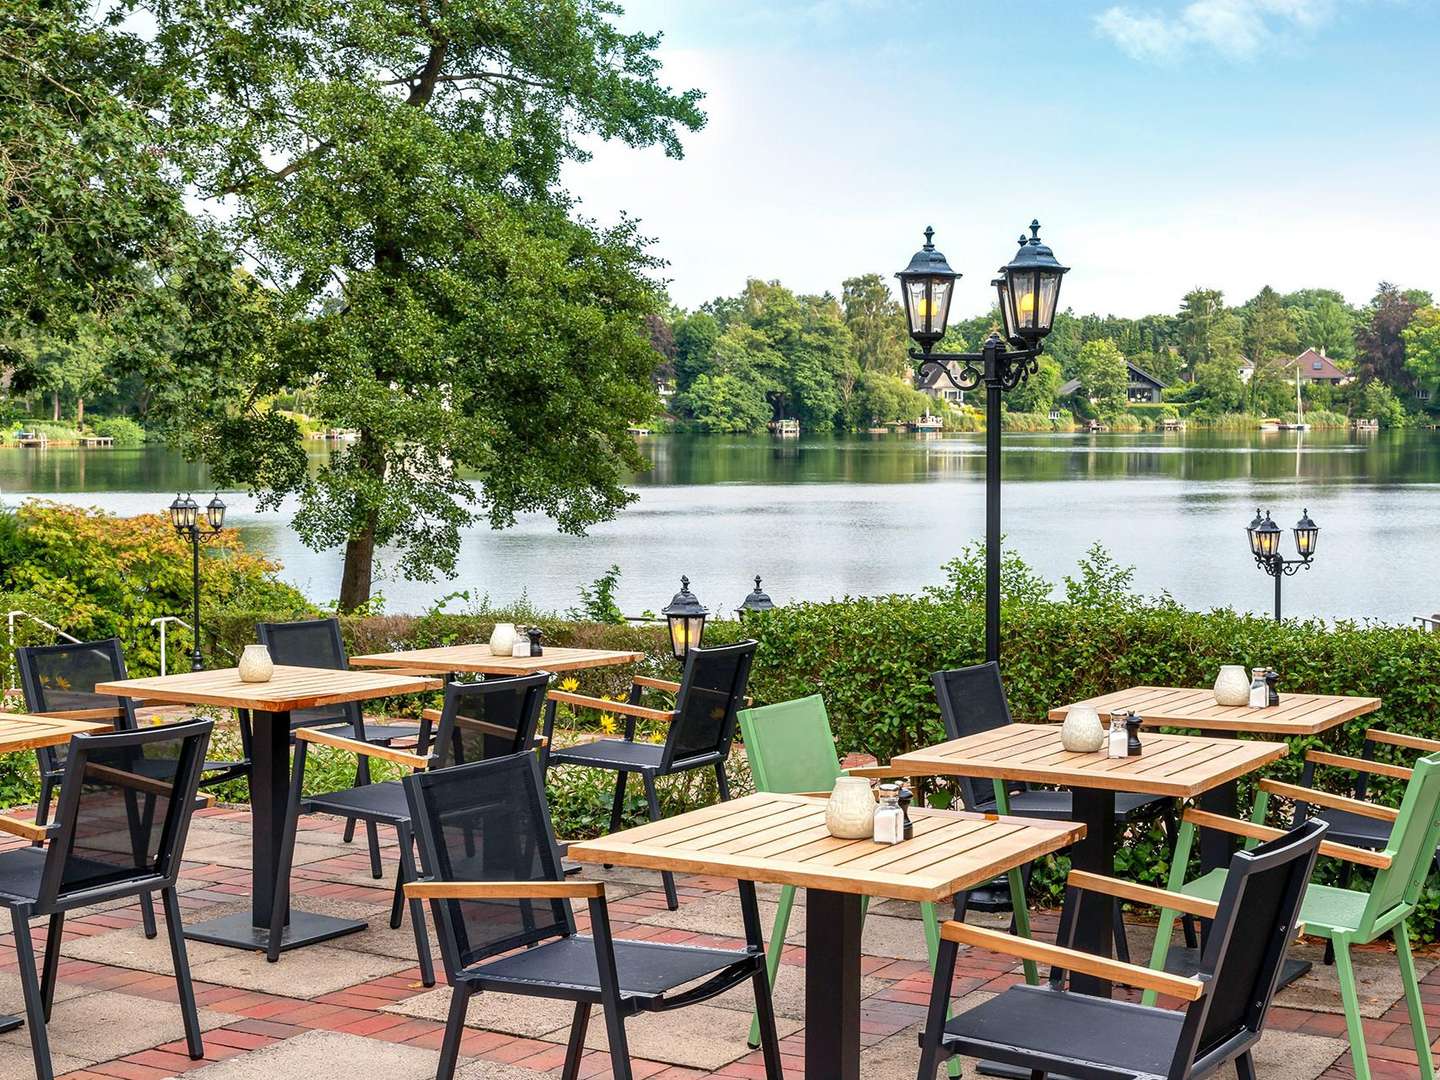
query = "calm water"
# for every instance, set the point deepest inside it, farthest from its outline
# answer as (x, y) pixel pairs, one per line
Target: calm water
(821, 517)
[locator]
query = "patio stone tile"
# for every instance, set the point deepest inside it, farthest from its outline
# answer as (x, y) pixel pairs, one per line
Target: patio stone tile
(512, 1014)
(237, 853)
(305, 973)
(325, 1055)
(494, 1070)
(720, 915)
(107, 1024)
(885, 935)
(131, 949)
(12, 998)
(788, 993)
(702, 1036)
(1289, 1055)
(17, 1061)
(1376, 971)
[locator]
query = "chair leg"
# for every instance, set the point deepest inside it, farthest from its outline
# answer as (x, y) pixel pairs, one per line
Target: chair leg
(178, 957)
(147, 915)
(30, 985)
(42, 804)
(1019, 882)
(721, 783)
(1161, 949)
(1350, 998)
(408, 872)
(617, 807)
(1245, 1067)
(575, 1049)
(454, 1031)
(930, 1049)
(1122, 943)
(772, 954)
(765, 1017)
(53, 937)
(671, 900)
(397, 902)
(930, 919)
(1412, 1001)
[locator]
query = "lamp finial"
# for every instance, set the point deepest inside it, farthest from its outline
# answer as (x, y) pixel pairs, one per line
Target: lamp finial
(1034, 230)
(929, 238)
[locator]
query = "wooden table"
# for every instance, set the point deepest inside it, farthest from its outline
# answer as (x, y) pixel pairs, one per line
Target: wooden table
(1180, 766)
(1168, 706)
(269, 704)
(782, 839)
(479, 660)
(19, 732)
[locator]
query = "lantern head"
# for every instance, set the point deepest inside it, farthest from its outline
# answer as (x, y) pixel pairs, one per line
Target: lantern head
(926, 286)
(1032, 289)
(685, 616)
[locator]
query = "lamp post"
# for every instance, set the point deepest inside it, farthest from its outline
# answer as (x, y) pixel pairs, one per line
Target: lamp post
(686, 618)
(185, 516)
(1265, 546)
(755, 601)
(1028, 289)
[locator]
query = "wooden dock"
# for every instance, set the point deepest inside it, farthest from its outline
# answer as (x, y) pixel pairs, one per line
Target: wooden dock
(100, 441)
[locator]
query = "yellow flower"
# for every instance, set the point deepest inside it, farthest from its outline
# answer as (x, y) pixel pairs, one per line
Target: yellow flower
(570, 685)
(608, 724)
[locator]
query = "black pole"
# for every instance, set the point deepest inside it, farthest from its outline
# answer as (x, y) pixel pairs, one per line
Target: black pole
(1279, 574)
(197, 662)
(992, 500)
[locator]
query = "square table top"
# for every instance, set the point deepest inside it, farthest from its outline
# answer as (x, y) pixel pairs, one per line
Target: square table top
(782, 839)
(290, 688)
(1180, 766)
(1297, 714)
(479, 660)
(20, 731)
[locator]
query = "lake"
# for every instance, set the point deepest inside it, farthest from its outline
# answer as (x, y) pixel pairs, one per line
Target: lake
(827, 516)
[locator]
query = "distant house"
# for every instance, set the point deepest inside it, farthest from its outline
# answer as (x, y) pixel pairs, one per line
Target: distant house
(1315, 367)
(1143, 387)
(934, 382)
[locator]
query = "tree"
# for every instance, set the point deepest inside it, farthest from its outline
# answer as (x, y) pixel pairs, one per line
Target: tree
(1422, 348)
(1270, 342)
(1104, 376)
(881, 398)
(1330, 327)
(1206, 329)
(1378, 402)
(723, 402)
(876, 323)
(431, 289)
(1039, 391)
(1379, 343)
(695, 336)
(1218, 386)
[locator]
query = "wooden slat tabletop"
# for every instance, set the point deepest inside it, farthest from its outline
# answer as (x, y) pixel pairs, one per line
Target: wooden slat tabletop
(479, 660)
(1297, 714)
(1180, 766)
(289, 689)
(782, 839)
(22, 732)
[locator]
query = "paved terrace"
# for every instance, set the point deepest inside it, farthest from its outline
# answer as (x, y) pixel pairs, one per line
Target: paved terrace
(354, 1007)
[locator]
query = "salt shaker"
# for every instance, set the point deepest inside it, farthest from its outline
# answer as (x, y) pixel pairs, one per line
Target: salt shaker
(1259, 691)
(1117, 744)
(889, 818)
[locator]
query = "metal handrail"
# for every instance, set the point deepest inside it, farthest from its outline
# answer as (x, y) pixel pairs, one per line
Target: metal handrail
(163, 621)
(10, 617)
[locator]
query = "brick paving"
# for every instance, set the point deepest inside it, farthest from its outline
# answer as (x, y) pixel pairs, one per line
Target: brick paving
(382, 1025)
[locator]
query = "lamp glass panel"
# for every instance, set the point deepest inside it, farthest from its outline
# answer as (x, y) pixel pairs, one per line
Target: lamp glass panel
(1269, 541)
(917, 304)
(1305, 541)
(1048, 296)
(940, 292)
(1023, 289)
(188, 513)
(215, 514)
(1006, 314)
(1254, 541)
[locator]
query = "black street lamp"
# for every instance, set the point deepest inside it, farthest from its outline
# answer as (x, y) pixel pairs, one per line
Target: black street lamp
(1265, 546)
(1028, 289)
(686, 618)
(185, 517)
(755, 601)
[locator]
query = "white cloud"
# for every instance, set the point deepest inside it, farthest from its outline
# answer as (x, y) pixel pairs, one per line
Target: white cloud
(1239, 29)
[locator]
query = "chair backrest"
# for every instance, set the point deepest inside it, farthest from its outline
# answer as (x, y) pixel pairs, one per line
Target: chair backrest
(59, 678)
(306, 643)
(487, 821)
(712, 690)
(790, 745)
(1256, 920)
(490, 719)
(972, 700)
(1411, 847)
(124, 811)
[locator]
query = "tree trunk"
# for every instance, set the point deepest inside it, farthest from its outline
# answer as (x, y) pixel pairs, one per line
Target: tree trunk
(355, 579)
(80, 412)
(55, 405)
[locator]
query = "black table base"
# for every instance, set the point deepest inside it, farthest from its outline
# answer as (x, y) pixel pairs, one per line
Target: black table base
(832, 985)
(304, 928)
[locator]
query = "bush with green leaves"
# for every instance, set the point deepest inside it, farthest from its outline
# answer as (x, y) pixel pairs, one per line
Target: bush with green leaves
(125, 431)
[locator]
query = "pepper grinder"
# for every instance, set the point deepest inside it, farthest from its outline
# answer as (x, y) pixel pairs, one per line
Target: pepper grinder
(1132, 735)
(534, 635)
(906, 798)
(1272, 682)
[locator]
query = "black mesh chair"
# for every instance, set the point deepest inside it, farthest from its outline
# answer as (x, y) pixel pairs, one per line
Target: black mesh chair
(1051, 1030)
(120, 825)
(972, 700)
(60, 680)
(702, 727)
(317, 643)
(480, 721)
(501, 908)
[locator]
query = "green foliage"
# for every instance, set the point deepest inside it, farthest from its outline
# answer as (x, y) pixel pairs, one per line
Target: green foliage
(1378, 402)
(125, 431)
(1101, 581)
(876, 323)
(1104, 377)
(1037, 393)
(597, 600)
(881, 398)
(1422, 348)
(965, 578)
(723, 403)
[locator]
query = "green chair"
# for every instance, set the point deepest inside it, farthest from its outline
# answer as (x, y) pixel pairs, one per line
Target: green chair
(1343, 916)
(791, 749)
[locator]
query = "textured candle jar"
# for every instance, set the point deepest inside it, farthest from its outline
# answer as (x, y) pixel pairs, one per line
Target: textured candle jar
(1082, 732)
(850, 813)
(1232, 686)
(502, 639)
(255, 664)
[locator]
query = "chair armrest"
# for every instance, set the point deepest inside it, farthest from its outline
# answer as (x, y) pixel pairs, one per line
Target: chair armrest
(1248, 829)
(1326, 799)
(656, 684)
(1142, 894)
(26, 830)
(1162, 982)
(433, 715)
(1410, 742)
(876, 772)
(1355, 764)
(98, 716)
(505, 890)
(624, 708)
(364, 749)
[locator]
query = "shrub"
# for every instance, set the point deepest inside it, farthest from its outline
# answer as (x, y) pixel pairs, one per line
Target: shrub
(125, 431)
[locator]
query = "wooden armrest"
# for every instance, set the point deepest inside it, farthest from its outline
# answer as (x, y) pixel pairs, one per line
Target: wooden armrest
(1142, 894)
(26, 830)
(99, 716)
(1326, 799)
(1355, 764)
(340, 742)
(656, 684)
(1101, 967)
(504, 890)
(433, 715)
(1206, 820)
(624, 708)
(876, 772)
(1410, 742)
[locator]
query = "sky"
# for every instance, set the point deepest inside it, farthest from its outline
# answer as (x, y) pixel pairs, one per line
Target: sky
(1162, 144)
